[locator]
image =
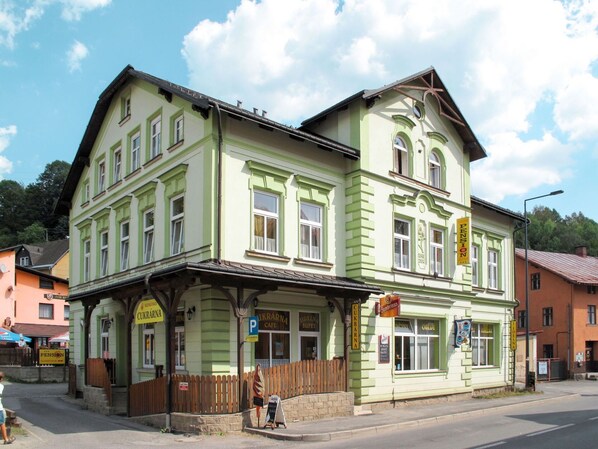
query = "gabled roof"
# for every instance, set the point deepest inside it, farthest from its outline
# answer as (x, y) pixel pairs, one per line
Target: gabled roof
(51, 253)
(571, 267)
(430, 83)
(200, 103)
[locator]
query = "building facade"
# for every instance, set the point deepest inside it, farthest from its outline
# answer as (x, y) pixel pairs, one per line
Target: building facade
(35, 302)
(218, 213)
(563, 296)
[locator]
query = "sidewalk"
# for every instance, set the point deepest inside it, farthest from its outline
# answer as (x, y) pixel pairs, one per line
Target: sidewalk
(404, 415)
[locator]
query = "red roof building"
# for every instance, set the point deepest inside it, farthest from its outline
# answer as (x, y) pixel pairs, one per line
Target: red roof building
(563, 297)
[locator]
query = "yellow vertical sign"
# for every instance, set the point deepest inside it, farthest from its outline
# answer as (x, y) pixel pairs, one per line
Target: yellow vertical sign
(355, 326)
(463, 241)
(513, 335)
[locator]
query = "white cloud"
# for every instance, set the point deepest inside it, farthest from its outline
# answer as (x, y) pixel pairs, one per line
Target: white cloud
(508, 64)
(6, 134)
(18, 16)
(72, 10)
(77, 53)
(515, 166)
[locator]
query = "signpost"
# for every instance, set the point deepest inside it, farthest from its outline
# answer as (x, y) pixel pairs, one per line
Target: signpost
(252, 336)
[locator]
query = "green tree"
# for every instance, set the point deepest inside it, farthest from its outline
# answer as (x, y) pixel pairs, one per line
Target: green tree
(13, 212)
(34, 233)
(41, 197)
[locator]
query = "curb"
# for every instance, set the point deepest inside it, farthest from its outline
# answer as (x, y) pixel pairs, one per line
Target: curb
(363, 431)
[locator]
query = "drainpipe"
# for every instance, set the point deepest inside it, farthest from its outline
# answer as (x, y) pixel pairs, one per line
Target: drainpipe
(219, 187)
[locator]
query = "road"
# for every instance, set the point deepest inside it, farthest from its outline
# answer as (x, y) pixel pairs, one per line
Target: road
(51, 420)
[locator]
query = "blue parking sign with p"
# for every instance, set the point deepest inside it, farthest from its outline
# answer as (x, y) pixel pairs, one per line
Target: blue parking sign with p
(253, 329)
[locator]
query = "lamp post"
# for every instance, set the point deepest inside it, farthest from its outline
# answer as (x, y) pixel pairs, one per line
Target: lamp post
(527, 379)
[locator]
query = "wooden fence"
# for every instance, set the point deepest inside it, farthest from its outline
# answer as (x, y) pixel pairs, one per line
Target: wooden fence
(220, 394)
(97, 376)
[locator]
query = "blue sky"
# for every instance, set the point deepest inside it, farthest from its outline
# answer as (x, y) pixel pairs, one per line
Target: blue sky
(524, 74)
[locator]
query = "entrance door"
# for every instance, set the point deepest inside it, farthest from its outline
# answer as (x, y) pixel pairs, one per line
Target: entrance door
(309, 347)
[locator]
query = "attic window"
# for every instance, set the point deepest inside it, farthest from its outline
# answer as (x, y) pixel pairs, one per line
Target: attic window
(418, 111)
(24, 261)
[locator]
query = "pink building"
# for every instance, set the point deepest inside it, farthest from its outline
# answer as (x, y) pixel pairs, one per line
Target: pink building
(34, 303)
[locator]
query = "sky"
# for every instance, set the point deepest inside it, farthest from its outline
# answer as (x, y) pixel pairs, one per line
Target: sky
(523, 73)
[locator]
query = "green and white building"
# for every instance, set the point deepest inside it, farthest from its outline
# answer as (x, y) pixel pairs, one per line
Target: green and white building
(219, 213)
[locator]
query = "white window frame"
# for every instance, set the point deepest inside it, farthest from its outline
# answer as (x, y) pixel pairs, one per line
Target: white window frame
(46, 311)
(86, 259)
(135, 151)
(435, 171)
(482, 346)
(24, 261)
(118, 159)
(155, 137)
(179, 347)
(125, 231)
(311, 247)
(149, 346)
(101, 176)
(401, 156)
(105, 337)
(179, 128)
(402, 242)
(475, 265)
(177, 226)
(103, 253)
(265, 245)
(416, 340)
(127, 106)
(148, 236)
(437, 251)
(492, 269)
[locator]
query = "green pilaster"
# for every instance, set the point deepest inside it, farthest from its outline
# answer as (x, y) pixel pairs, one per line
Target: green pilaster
(215, 335)
(359, 226)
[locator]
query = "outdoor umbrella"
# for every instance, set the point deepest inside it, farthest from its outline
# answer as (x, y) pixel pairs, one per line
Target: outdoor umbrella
(60, 338)
(11, 337)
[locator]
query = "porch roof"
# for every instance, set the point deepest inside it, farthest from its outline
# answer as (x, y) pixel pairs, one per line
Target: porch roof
(39, 330)
(232, 274)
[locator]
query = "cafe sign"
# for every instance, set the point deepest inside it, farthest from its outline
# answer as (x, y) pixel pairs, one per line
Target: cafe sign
(149, 311)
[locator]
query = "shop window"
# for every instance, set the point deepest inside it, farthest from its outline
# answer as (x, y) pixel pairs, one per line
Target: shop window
(149, 349)
(179, 340)
(309, 335)
(482, 339)
(273, 345)
(417, 344)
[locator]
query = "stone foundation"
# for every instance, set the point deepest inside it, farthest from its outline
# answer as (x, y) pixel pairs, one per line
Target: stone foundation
(301, 408)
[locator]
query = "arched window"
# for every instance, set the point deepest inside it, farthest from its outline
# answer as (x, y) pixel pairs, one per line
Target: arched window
(435, 171)
(401, 155)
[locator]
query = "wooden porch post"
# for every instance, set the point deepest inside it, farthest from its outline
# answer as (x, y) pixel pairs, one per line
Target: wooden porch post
(129, 304)
(88, 307)
(168, 299)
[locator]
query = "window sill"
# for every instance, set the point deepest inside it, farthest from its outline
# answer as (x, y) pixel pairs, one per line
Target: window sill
(399, 176)
(313, 263)
(416, 373)
(133, 173)
(153, 160)
(99, 195)
(260, 255)
(85, 204)
(115, 185)
(495, 291)
(176, 145)
(124, 120)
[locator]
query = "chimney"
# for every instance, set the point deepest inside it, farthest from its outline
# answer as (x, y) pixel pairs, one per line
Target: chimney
(581, 251)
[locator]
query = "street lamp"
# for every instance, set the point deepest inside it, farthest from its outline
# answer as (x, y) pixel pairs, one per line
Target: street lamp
(527, 378)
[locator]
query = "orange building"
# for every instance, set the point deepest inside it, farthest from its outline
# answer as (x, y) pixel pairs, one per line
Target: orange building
(563, 297)
(34, 303)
